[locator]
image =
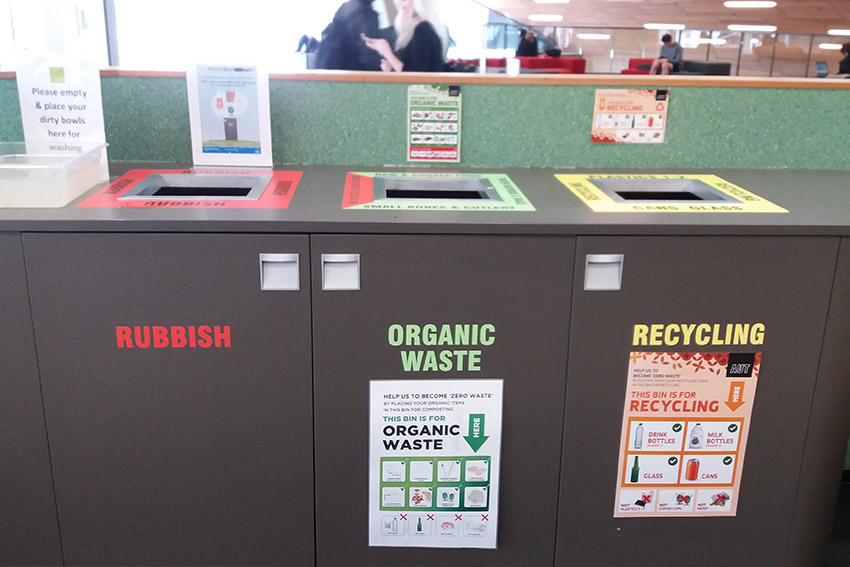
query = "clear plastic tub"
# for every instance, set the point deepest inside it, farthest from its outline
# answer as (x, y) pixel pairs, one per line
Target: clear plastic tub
(46, 179)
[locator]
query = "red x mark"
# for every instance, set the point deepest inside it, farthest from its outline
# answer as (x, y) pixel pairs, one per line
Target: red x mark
(459, 517)
(647, 498)
(430, 516)
(403, 516)
(485, 517)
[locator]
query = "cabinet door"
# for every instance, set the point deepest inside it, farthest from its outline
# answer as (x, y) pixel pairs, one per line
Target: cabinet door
(521, 285)
(28, 526)
(178, 397)
(782, 282)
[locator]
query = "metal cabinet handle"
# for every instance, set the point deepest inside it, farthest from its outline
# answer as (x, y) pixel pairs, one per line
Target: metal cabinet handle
(279, 272)
(340, 272)
(603, 272)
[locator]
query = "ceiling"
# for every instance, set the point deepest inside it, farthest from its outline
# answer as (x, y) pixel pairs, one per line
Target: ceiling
(789, 16)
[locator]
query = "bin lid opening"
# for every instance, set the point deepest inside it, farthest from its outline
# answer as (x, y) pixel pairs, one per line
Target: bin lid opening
(434, 189)
(178, 191)
(199, 186)
(660, 190)
(659, 196)
(431, 194)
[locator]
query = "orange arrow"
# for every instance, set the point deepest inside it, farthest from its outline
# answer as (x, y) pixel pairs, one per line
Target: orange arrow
(736, 395)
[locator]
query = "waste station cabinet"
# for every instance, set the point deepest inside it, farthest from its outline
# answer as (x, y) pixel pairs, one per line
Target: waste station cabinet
(194, 417)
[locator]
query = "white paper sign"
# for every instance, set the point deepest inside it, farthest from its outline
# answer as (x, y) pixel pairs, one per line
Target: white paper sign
(229, 116)
(434, 461)
(61, 105)
(433, 123)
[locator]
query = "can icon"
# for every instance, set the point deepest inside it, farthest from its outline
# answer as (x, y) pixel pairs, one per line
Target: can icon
(692, 469)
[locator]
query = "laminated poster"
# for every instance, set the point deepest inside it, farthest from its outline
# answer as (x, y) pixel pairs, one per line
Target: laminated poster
(433, 123)
(229, 116)
(684, 435)
(434, 459)
(629, 116)
(61, 106)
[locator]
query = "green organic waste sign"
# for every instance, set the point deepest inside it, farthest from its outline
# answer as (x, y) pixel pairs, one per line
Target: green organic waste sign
(434, 463)
(433, 123)
(401, 191)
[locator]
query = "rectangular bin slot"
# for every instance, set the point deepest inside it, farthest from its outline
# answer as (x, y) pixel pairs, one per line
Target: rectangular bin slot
(199, 186)
(428, 189)
(426, 194)
(202, 192)
(659, 196)
(660, 190)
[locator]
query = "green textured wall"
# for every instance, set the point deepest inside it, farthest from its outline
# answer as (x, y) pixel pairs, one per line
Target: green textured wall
(10, 111)
(503, 125)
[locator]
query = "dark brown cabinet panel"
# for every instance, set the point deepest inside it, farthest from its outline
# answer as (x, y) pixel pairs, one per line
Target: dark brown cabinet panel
(178, 398)
(784, 283)
(521, 285)
(28, 524)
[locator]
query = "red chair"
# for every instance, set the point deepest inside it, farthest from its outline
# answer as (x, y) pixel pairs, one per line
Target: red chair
(554, 64)
(635, 63)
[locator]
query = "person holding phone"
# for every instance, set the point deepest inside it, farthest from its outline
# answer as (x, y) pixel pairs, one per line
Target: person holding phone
(421, 43)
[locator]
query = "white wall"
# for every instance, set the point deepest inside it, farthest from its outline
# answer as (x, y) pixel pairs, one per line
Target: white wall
(50, 27)
(151, 33)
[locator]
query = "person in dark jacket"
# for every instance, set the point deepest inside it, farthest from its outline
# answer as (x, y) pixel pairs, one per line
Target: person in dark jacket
(421, 42)
(844, 66)
(527, 44)
(342, 47)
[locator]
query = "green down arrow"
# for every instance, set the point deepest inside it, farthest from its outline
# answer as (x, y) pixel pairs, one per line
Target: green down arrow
(476, 437)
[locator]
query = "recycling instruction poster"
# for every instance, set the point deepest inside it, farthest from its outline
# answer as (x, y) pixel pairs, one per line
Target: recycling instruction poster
(433, 123)
(434, 459)
(685, 426)
(629, 116)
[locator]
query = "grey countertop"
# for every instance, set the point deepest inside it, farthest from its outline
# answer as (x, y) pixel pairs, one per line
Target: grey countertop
(818, 203)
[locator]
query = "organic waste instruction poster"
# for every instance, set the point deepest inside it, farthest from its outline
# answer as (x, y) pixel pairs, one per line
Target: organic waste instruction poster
(684, 433)
(434, 457)
(433, 123)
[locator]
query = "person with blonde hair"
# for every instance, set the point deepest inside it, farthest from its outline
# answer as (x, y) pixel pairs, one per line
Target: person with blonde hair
(422, 39)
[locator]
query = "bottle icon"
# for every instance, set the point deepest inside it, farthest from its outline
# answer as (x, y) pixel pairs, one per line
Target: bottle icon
(635, 471)
(639, 436)
(696, 439)
(419, 525)
(692, 469)
(395, 525)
